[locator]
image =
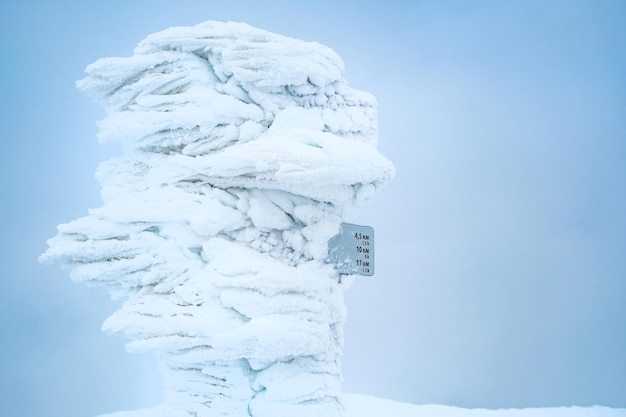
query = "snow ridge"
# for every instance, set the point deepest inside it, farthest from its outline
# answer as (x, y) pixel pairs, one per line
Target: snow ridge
(241, 149)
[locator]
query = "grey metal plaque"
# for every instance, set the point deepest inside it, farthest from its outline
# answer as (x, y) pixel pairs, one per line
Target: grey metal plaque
(352, 250)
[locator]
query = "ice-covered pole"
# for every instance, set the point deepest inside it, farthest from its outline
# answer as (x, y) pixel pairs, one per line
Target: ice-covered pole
(241, 150)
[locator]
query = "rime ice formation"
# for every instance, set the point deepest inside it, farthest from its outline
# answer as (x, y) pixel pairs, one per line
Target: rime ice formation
(241, 149)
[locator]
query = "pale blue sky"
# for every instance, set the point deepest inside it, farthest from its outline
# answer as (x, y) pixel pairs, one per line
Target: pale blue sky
(501, 268)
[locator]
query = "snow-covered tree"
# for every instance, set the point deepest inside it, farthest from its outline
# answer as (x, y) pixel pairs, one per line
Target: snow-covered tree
(241, 150)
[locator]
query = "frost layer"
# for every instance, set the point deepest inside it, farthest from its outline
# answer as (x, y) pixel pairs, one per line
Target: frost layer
(242, 148)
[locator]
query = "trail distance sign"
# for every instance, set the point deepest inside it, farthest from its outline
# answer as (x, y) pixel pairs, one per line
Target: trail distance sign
(352, 250)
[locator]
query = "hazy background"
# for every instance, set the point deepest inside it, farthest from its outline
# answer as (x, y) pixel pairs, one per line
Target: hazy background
(501, 243)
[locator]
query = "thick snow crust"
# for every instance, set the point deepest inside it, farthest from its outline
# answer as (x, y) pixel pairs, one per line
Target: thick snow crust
(241, 149)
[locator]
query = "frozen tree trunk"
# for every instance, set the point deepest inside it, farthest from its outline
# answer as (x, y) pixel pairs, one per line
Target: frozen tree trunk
(242, 149)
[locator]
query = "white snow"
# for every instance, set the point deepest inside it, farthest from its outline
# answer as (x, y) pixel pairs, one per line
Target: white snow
(367, 406)
(241, 150)
(358, 405)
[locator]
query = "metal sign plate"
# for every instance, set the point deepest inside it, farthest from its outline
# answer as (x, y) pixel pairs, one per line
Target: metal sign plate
(352, 250)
